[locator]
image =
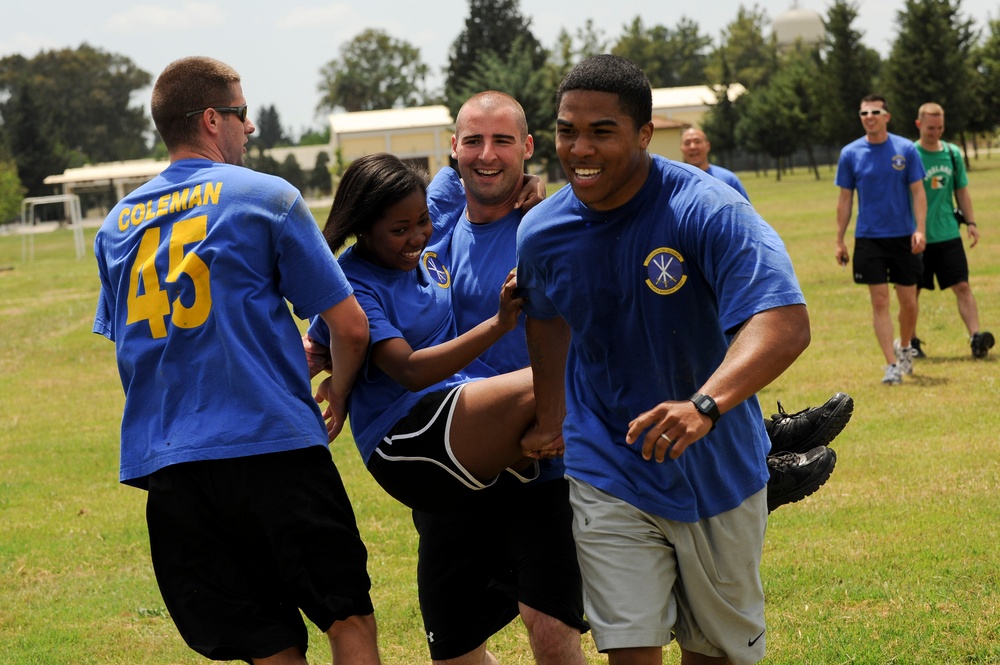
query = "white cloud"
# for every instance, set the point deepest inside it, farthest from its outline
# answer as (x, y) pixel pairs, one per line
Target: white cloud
(333, 15)
(152, 17)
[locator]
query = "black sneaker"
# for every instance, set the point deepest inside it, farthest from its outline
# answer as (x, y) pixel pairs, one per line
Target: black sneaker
(981, 344)
(811, 427)
(918, 352)
(794, 476)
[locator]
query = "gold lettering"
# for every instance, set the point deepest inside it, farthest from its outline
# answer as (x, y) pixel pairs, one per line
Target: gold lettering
(179, 200)
(138, 214)
(195, 199)
(212, 193)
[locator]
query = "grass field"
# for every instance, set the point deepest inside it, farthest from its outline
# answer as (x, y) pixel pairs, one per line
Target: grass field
(894, 561)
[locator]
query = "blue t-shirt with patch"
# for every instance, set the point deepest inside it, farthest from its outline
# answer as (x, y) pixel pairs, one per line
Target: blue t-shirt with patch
(651, 292)
(414, 305)
(477, 258)
(881, 173)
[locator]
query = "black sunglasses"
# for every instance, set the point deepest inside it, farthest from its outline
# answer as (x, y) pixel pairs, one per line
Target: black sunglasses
(240, 111)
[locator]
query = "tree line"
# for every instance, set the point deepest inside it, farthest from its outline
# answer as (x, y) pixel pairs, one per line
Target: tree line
(70, 107)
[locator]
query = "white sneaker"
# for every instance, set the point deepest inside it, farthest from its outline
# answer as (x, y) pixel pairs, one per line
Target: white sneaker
(904, 359)
(893, 377)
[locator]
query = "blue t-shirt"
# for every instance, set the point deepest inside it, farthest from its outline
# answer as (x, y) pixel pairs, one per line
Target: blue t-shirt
(728, 177)
(651, 292)
(412, 305)
(882, 174)
(445, 205)
(196, 266)
(477, 258)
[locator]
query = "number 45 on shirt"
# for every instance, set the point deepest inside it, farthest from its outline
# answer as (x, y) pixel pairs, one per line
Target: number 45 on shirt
(153, 304)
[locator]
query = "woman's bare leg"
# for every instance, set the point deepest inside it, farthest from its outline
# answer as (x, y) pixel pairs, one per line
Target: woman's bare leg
(490, 418)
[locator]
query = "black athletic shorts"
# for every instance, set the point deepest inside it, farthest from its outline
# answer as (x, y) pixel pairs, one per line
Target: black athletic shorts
(882, 260)
(415, 465)
(240, 545)
(945, 260)
(473, 569)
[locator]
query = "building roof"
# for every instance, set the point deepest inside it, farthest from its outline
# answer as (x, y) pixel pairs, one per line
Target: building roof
(390, 119)
(659, 122)
(690, 96)
(305, 155)
(133, 169)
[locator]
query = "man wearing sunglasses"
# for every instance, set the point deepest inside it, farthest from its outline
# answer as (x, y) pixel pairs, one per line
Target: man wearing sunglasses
(248, 519)
(886, 171)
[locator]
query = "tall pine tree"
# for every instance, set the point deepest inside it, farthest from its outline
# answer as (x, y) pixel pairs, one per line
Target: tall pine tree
(750, 56)
(986, 58)
(848, 73)
(533, 88)
(670, 58)
(492, 27)
(930, 62)
(31, 143)
(721, 120)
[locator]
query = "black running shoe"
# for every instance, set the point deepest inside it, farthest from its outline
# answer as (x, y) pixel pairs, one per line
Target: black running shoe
(918, 352)
(981, 344)
(794, 476)
(811, 427)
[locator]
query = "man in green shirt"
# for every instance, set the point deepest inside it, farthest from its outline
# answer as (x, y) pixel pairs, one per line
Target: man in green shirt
(945, 255)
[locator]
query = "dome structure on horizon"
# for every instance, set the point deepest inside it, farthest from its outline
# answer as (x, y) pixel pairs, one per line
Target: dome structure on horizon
(796, 25)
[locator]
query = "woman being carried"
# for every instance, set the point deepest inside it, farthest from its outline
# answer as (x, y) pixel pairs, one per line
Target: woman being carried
(435, 426)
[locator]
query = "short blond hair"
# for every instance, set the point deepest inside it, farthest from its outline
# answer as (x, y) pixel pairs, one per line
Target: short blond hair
(930, 108)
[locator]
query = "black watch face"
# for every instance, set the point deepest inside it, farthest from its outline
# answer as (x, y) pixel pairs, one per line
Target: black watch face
(706, 406)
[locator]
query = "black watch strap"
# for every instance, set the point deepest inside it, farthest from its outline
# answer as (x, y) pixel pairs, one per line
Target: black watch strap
(707, 406)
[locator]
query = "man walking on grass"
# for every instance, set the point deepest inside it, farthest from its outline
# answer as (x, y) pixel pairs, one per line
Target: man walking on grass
(886, 172)
(944, 257)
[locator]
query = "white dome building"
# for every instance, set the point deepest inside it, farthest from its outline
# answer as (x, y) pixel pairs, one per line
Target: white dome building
(798, 25)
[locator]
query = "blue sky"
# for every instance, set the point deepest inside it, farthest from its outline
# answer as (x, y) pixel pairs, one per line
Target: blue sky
(279, 48)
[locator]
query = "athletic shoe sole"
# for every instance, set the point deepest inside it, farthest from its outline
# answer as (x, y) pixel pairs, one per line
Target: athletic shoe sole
(837, 413)
(818, 476)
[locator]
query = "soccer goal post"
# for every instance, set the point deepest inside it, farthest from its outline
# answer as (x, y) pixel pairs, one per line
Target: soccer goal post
(71, 203)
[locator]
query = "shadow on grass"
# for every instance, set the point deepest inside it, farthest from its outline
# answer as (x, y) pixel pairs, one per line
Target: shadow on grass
(926, 381)
(944, 360)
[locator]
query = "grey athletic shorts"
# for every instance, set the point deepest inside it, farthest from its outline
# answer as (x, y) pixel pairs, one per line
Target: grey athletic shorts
(699, 582)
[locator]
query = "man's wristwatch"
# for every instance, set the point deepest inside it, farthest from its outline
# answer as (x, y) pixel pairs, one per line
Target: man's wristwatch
(706, 406)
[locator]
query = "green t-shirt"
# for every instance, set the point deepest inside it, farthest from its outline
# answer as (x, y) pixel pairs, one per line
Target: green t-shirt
(944, 173)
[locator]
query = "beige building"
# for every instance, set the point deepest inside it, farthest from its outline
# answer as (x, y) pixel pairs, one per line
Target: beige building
(675, 109)
(420, 134)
